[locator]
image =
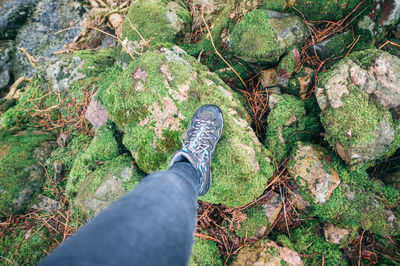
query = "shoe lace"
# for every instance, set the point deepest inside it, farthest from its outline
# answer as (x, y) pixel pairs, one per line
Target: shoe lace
(199, 139)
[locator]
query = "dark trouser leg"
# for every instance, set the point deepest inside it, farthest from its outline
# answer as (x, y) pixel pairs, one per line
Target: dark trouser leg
(152, 225)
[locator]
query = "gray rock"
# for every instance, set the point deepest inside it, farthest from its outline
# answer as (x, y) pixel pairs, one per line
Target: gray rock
(4, 79)
(272, 207)
(360, 101)
(332, 46)
(61, 74)
(269, 77)
(46, 204)
(58, 170)
(6, 53)
(14, 14)
(96, 113)
(41, 37)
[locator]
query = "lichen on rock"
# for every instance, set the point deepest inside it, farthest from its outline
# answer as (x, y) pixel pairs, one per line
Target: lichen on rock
(152, 102)
(266, 252)
(359, 107)
(353, 203)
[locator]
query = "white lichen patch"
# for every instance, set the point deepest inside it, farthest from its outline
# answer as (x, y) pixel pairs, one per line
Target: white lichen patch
(62, 74)
(164, 115)
(309, 169)
(165, 72)
(181, 93)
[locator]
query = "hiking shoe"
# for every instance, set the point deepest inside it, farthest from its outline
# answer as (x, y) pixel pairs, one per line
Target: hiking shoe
(202, 136)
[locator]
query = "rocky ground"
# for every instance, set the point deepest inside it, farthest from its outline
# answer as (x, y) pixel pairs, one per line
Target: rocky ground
(97, 94)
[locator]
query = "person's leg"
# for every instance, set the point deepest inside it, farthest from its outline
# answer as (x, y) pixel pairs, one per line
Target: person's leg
(152, 225)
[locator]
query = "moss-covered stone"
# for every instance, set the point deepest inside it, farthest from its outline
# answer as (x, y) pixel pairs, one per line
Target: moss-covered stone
(101, 174)
(309, 166)
(266, 252)
(255, 225)
(263, 36)
(169, 20)
(69, 77)
(314, 10)
(103, 147)
(308, 240)
(25, 247)
(286, 123)
(358, 96)
(107, 183)
(153, 101)
(21, 175)
(357, 202)
(204, 253)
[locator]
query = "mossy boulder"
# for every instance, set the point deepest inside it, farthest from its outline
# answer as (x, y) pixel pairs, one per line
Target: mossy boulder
(263, 36)
(157, 20)
(314, 10)
(153, 101)
(286, 123)
(204, 253)
(359, 98)
(21, 172)
(356, 202)
(102, 148)
(106, 184)
(101, 174)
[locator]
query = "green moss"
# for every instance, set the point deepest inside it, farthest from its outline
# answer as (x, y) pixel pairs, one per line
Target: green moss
(19, 168)
(315, 10)
(106, 184)
(102, 148)
(286, 123)
(205, 253)
(360, 202)
(362, 122)
(25, 247)
(154, 110)
(96, 61)
(246, 45)
(253, 225)
(308, 240)
(339, 44)
(287, 64)
(159, 28)
(76, 146)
